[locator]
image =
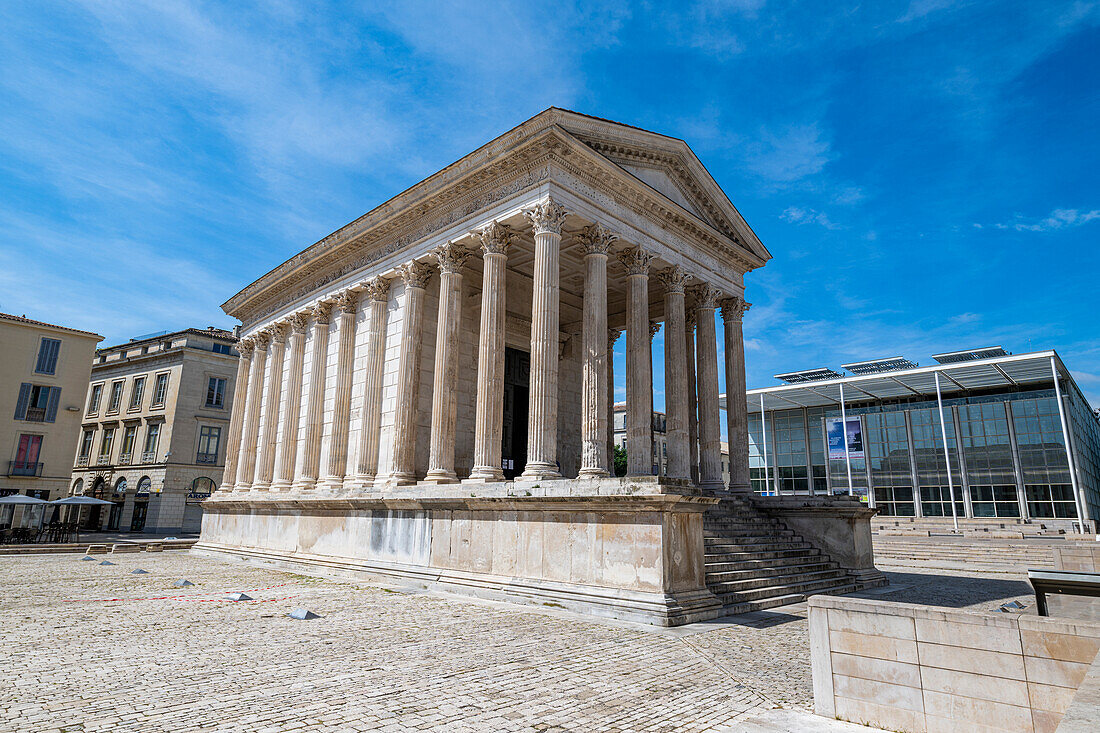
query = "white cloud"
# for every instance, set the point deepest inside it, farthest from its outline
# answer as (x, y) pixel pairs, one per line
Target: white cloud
(1058, 219)
(790, 154)
(798, 215)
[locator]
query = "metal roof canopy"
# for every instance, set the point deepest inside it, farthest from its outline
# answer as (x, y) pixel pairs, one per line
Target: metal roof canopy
(874, 366)
(809, 375)
(954, 357)
(1004, 371)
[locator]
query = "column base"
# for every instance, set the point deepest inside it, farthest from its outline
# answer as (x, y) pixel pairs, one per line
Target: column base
(333, 483)
(261, 486)
(593, 473)
(540, 470)
(484, 474)
(440, 476)
(712, 486)
(305, 484)
(400, 478)
(280, 486)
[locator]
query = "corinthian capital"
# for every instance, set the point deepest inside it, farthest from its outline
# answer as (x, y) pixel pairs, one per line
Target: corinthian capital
(654, 327)
(245, 346)
(673, 279)
(596, 239)
(546, 216)
(321, 313)
(636, 260)
(299, 321)
(705, 296)
(277, 332)
(451, 258)
(377, 288)
(347, 301)
(415, 274)
(261, 339)
(613, 336)
(734, 308)
(495, 238)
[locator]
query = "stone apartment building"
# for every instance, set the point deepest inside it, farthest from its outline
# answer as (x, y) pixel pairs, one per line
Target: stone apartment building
(43, 374)
(156, 419)
(660, 441)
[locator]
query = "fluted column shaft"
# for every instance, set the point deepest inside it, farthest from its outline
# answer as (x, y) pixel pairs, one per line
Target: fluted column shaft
(710, 436)
(676, 387)
(246, 469)
(693, 407)
(403, 466)
(594, 241)
(287, 450)
(441, 460)
(309, 468)
(236, 416)
(639, 367)
(737, 417)
(542, 430)
(378, 290)
(265, 468)
(348, 304)
(612, 337)
(489, 417)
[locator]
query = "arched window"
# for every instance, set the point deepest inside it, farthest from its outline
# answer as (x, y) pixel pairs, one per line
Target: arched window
(120, 485)
(78, 487)
(201, 488)
(144, 485)
(98, 487)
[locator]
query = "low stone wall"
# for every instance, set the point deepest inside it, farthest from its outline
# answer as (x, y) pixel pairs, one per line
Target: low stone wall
(1080, 558)
(839, 526)
(920, 668)
(635, 557)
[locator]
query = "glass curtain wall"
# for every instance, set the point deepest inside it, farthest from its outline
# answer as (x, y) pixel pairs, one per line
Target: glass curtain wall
(887, 445)
(1042, 451)
(934, 490)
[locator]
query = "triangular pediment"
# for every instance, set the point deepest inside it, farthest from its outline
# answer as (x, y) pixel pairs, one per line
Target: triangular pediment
(668, 166)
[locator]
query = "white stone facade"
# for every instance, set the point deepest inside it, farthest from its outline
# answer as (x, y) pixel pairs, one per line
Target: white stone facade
(540, 242)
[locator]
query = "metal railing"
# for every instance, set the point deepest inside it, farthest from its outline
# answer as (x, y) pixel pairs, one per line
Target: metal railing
(206, 458)
(24, 468)
(35, 414)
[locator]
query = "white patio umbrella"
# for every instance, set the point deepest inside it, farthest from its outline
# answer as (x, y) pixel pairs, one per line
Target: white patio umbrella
(80, 501)
(22, 499)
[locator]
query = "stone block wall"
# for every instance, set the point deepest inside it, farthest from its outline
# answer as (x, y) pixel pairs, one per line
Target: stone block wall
(920, 668)
(1080, 558)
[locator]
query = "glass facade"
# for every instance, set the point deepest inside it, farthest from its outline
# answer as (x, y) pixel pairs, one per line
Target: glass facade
(1005, 450)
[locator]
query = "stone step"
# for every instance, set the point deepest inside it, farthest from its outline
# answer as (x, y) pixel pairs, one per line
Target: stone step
(841, 584)
(724, 565)
(716, 574)
(763, 604)
(772, 556)
(780, 578)
(765, 545)
(735, 534)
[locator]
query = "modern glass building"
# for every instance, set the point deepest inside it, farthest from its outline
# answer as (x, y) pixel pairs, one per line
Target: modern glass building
(1010, 437)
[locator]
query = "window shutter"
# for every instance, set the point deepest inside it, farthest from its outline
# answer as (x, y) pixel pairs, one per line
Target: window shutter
(23, 401)
(55, 350)
(51, 406)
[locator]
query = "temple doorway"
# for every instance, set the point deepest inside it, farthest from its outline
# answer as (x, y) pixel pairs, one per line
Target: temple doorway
(517, 376)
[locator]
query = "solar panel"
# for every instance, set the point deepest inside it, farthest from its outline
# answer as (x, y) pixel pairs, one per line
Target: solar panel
(875, 366)
(808, 375)
(954, 357)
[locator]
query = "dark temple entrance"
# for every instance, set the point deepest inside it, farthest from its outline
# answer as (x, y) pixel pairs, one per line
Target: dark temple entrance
(517, 376)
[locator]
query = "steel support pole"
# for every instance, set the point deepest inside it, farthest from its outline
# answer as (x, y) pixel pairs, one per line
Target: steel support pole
(1078, 500)
(764, 440)
(847, 456)
(946, 455)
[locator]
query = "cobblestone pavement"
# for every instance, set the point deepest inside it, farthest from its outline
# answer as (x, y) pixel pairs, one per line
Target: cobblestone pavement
(90, 648)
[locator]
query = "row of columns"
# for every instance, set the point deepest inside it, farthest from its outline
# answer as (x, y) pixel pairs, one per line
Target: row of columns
(269, 460)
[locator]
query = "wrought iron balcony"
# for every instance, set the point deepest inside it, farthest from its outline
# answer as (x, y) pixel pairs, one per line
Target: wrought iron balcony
(35, 414)
(24, 468)
(206, 458)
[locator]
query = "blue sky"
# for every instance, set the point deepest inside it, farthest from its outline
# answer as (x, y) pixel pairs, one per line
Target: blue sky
(923, 172)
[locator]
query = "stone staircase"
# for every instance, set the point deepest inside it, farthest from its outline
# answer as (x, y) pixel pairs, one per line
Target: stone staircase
(965, 553)
(754, 561)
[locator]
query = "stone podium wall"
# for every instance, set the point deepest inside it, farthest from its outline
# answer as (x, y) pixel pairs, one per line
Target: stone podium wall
(629, 557)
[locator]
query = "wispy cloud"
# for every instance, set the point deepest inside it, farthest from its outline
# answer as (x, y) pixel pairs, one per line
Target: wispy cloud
(1058, 219)
(798, 215)
(789, 154)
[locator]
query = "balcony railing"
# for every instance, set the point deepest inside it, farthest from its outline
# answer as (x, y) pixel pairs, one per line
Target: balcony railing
(103, 460)
(149, 456)
(24, 468)
(124, 458)
(206, 458)
(82, 461)
(35, 414)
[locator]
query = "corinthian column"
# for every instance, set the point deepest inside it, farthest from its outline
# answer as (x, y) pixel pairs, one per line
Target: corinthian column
(416, 276)
(612, 337)
(348, 304)
(236, 418)
(710, 436)
(488, 425)
(676, 387)
(266, 466)
(737, 417)
(639, 366)
(594, 241)
(441, 462)
(306, 478)
(246, 469)
(287, 450)
(378, 290)
(693, 407)
(542, 431)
